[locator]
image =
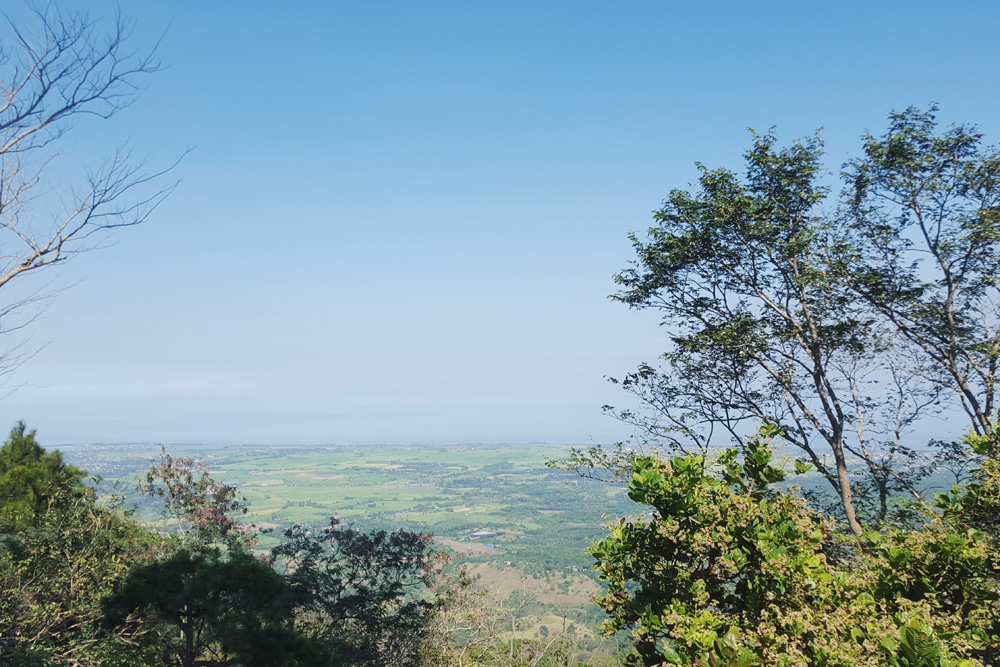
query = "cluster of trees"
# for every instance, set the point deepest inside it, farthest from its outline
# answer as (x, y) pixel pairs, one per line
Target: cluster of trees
(831, 333)
(82, 583)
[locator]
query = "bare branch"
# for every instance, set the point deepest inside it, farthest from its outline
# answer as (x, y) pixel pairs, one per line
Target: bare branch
(55, 69)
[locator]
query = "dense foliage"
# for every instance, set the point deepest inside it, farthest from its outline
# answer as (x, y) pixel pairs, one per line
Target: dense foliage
(33, 481)
(365, 594)
(56, 568)
(729, 570)
(214, 611)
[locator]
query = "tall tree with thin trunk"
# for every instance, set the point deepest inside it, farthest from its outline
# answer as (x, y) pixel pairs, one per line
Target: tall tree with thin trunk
(923, 211)
(762, 329)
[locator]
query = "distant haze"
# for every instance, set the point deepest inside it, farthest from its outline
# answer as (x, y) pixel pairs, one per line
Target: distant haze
(399, 222)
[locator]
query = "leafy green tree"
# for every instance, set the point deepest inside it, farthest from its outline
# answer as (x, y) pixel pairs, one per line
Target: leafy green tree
(976, 503)
(727, 570)
(368, 595)
(718, 553)
(842, 329)
(923, 251)
(211, 610)
(760, 332)
(53, 576)
(33, 481)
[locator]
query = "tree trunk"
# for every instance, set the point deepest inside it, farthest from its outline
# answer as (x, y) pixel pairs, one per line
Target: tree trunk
(844, 482)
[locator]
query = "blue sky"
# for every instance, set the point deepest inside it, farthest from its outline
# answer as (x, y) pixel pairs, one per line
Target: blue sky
(398, 221)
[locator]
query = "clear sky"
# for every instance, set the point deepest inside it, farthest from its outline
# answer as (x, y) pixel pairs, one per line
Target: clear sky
(398, 221)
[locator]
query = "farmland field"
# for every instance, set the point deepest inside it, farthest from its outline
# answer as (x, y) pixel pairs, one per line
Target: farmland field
(516, 523)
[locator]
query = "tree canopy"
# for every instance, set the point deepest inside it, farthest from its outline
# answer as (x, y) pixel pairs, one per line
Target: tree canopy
(366, 594)
(730, 570)
(922, 251)
(32, 481)
(215, 610)
(839, 325)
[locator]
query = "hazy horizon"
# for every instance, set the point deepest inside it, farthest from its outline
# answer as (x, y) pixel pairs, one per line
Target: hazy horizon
(399, 222)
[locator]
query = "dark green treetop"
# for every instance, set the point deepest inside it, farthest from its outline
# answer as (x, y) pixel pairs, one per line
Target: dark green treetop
(369, 595)
(33, 480)
(214, 610)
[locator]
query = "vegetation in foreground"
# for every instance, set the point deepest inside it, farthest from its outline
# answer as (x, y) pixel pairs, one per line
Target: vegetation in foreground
(728, 569)
(85, 583)
(732, 571)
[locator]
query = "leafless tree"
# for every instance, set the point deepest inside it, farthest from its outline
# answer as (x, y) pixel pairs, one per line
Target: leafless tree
(57, 69)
